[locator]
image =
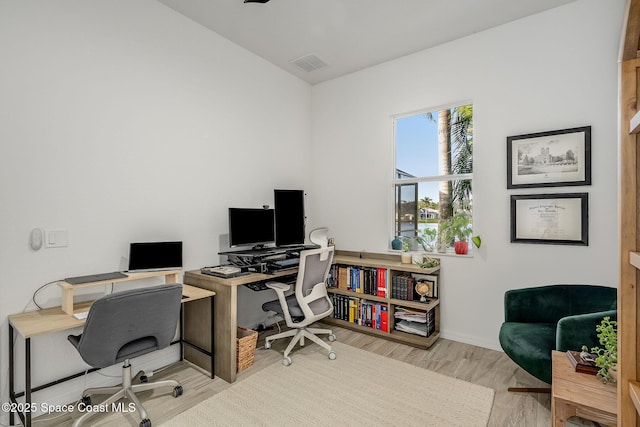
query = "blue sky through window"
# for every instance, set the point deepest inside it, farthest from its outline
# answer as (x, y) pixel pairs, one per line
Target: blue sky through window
(417, 150)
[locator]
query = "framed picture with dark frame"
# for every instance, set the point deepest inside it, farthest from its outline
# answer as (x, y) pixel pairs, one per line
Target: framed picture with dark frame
(557, 219)
(549, 159)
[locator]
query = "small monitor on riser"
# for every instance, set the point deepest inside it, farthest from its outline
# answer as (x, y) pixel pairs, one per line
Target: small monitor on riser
(146, 256)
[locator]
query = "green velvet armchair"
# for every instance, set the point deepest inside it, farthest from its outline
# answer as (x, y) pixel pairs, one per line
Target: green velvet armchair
(553, 317)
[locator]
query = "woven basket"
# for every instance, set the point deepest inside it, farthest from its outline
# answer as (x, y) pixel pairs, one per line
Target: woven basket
(245, 348)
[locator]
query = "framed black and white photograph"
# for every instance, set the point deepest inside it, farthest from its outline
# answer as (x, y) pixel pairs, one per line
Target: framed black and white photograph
(560, 219)
(549, 159)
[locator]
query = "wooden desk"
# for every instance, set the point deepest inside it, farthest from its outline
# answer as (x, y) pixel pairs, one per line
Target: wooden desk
(41, 322)
(226, 318)
(582, 395)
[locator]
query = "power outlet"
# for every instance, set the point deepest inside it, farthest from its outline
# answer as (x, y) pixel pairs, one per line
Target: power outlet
(56, 239)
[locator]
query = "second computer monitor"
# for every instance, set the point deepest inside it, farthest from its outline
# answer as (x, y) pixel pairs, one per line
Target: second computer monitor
(289, 216)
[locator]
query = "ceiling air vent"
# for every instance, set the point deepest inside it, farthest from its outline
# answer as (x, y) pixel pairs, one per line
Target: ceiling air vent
(309, 63)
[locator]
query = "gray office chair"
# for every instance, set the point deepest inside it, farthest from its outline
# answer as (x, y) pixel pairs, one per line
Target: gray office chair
(309, 302)
(123, 325)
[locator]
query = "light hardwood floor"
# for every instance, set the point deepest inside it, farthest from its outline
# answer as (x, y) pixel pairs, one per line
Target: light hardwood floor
(478, 365)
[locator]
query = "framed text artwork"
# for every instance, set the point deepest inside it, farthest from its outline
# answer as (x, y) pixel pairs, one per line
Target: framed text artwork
(549, 159)
(560, 219)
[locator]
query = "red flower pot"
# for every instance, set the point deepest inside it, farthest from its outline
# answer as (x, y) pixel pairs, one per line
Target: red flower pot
(461, 248)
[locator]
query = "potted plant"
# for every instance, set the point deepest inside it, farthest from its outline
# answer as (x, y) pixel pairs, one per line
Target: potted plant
(407, 246)
(461, 232)
(445, 236)
(427, 239)
(607, 356)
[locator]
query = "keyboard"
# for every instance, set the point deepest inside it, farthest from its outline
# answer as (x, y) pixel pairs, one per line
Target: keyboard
(287, 262)
(262, 285)
(95, 278)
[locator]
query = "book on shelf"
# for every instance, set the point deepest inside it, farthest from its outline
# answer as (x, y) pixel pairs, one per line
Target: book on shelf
(374, 315)
(361, 280)
(581, 364)
(404, 286)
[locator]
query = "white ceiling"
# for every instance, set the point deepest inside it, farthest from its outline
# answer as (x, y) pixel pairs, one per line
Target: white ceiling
(350, 35)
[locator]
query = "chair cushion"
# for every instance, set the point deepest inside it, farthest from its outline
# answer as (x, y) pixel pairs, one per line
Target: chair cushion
(292, 303)
(529, 345)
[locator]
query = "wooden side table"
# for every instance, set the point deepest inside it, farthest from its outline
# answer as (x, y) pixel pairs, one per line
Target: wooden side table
(579, 394)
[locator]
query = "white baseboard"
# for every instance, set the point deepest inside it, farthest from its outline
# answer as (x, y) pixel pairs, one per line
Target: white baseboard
(470, 339)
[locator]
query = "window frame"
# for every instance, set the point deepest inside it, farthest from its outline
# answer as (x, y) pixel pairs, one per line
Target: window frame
(395, 181)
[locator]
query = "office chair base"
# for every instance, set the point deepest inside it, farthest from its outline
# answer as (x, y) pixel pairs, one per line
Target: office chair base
(298, 336)
(125, 390)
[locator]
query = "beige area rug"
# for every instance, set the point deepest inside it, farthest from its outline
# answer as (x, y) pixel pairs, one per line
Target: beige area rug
(357, 389)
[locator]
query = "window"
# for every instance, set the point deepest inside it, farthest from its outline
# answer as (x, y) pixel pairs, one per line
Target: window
(433, 176)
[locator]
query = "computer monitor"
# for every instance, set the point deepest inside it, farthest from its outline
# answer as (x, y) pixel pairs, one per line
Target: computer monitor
(251, 227)
(145, 256)
(290, 219)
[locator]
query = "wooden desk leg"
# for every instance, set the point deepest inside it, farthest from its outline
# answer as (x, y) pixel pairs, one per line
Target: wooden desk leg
(226, 325)
(213, 335)
(561, 411)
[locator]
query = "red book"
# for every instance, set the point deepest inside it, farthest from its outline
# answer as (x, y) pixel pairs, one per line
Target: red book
(384, 318)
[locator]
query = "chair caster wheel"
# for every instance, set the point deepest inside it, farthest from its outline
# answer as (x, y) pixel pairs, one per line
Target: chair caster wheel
(145, 423)
(267, 345)
(332, 355)
(86, 400)
(286, 361)
(177, 391)
(332, 337)
(144, 379)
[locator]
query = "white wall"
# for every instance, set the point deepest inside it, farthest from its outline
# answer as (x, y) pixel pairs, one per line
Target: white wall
(554, 70)
(123, 121)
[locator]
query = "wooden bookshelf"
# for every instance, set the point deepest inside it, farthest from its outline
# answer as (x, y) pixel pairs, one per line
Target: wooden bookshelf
(629, 222)
(391, 263)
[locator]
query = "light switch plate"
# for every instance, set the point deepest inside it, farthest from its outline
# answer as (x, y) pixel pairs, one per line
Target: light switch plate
(56, 239)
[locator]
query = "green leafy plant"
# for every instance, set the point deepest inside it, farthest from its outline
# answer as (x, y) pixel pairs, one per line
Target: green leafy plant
(606, 356)
(459, 226)
(445, 235)
(407, 244)
(428, 239)
(427, 262)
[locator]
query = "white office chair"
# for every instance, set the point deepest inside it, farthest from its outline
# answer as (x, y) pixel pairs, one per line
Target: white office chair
(310, 301)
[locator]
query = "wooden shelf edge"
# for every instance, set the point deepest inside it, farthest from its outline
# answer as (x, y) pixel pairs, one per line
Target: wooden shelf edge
(391, 262)
(634, 393)
(634, 124)
(634, 259)
(398, 336)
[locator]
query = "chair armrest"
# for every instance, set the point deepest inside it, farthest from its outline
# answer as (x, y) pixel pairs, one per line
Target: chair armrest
(280, 289)
(277, 286)
(575, 331)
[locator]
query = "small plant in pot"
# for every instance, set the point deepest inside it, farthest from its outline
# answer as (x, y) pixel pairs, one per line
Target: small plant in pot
(461, 232)
(445, 236)
(407, 247)
(607, 356)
